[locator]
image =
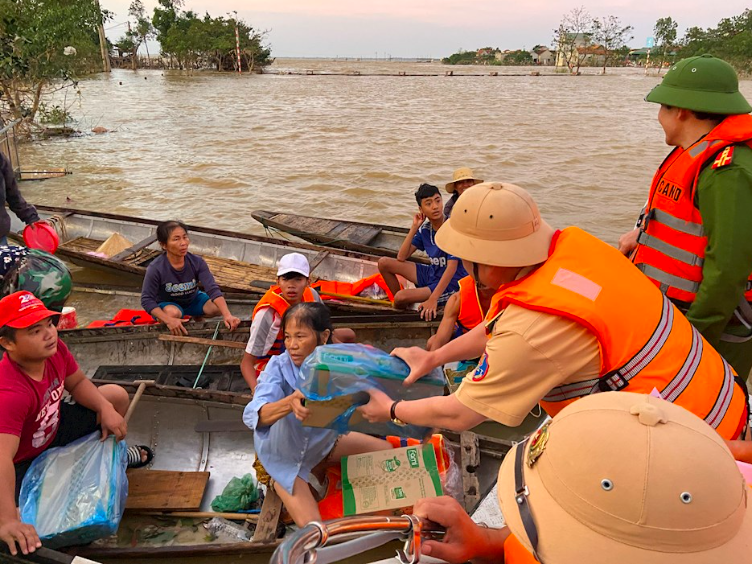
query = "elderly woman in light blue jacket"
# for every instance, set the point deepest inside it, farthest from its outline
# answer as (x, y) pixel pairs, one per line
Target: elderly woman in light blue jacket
(289, 451)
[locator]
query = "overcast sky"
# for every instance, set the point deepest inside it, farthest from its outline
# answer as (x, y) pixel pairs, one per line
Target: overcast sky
(429, 28)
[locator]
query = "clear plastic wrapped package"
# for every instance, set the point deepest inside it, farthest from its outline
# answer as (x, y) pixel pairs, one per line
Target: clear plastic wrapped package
(76, 494)
(337, 377)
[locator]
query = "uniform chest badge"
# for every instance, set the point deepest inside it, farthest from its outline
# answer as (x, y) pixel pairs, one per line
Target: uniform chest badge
(538, 444)
(724, 158)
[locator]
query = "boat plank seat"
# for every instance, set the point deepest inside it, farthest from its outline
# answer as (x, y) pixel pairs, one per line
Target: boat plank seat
(354, 233)
(121, 256)
(163, 490)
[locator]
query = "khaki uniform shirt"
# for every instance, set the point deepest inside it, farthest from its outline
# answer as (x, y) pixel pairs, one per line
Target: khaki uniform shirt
(528, 354)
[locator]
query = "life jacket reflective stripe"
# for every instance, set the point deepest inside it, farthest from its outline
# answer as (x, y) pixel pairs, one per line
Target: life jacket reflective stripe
(516, 553)
(641, 348)
(273, 299)
(672, 241)
(471, 312)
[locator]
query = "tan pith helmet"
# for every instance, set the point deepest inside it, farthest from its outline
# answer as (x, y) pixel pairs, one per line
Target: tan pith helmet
(462, 173)
(628, 478)
(497, 224)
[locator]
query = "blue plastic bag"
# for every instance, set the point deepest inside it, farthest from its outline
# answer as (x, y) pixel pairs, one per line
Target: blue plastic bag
(76, 494)
(336, 371)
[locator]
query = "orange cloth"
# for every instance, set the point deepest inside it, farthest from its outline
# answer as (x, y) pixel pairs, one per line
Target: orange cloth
(516, 553)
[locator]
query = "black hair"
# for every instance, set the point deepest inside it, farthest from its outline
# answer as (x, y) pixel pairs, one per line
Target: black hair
(707, 116)
(292, 275)
(312, 315)
(7, 333)
(425, 191)
(165, 229)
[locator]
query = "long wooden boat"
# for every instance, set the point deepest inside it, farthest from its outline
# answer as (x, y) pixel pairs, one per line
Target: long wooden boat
(240, 262)
(127, 346)
(371, 238)
(177, 432)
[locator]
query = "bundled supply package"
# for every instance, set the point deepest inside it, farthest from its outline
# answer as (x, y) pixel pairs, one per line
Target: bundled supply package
(335, 379)
(76, 494)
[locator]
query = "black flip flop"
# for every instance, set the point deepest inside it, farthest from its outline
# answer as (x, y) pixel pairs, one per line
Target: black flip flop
(134, 456)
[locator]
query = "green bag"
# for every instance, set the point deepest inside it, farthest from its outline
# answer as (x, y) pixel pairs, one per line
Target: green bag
(239, 494)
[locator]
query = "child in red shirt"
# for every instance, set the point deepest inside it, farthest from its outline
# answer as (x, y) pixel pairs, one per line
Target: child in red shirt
(34, 372)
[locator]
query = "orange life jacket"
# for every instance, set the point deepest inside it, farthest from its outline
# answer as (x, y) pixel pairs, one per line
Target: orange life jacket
(645, 342)
(471, 312)
(516, 553)
(672, 240)
(274, 300)
(126, 317)
(352, 288)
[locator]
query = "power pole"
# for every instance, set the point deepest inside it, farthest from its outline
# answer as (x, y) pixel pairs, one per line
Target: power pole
(103, 43)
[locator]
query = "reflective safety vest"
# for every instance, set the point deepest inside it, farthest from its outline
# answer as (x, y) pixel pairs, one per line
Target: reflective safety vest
(644, 341)
(274, 300)
(672, 240)
(471, 311)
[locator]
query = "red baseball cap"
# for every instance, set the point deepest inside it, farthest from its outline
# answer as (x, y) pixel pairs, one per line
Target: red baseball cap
(23, 309)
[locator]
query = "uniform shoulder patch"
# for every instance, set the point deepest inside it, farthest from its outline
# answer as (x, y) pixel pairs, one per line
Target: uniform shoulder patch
(724, 158)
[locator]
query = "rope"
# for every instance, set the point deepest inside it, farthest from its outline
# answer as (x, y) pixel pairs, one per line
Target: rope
(208, 352)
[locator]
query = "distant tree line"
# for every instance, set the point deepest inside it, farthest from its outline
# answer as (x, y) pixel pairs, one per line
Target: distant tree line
(189, 41)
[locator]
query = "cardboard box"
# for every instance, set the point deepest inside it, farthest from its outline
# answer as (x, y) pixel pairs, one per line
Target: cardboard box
(389, 479)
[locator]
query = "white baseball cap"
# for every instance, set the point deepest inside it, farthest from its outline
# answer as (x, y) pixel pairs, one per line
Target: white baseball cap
(294, 262)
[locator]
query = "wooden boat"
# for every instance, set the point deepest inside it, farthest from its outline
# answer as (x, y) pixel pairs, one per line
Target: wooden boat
(143, 345)
(176, 429)
(240, 262)
(371, 238)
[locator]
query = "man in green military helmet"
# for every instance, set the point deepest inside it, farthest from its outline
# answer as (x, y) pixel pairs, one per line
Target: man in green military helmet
(694, 237)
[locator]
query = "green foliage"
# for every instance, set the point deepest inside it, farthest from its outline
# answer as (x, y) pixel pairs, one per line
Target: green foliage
(34, 35)
(665, 37)
(731, 40)
(518, 58)
(460, 58)
(53, 115)
(195, 41)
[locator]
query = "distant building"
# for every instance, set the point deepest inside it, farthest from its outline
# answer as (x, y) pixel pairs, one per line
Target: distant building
(542, 55)
(567, 52)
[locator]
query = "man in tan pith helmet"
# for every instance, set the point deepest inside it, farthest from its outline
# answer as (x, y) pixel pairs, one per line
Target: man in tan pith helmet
(615, 478)
(462, 179)
(562, 325)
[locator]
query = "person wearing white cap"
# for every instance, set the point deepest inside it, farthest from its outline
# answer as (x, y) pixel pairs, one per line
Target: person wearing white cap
(572, 317)
(266, 339)
(651, 484)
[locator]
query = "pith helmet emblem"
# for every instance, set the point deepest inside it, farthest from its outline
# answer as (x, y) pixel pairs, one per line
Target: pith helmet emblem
(538, 444)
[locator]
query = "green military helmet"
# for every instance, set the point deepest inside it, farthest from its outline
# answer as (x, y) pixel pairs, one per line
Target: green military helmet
(43, 275)
(701, 84)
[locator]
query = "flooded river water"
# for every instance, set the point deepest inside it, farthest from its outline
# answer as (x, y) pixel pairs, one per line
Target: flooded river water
(209, 148)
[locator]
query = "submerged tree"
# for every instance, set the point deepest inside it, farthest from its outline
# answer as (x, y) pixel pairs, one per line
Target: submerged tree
(665, 37)
(609, 33)
(572, 38)
(194, 41)
(731, 40)
(45, 45)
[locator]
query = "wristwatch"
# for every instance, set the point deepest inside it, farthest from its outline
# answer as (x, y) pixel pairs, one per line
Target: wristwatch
(393, 416)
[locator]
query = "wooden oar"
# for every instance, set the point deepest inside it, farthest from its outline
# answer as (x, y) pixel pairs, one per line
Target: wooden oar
(359, 299)
(201, 341)
(142, 384)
